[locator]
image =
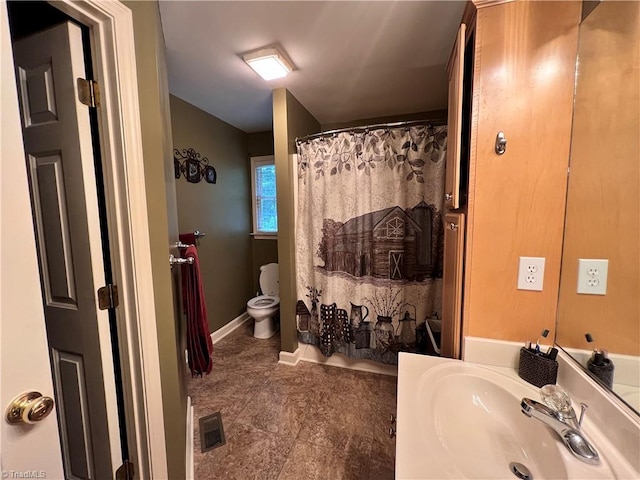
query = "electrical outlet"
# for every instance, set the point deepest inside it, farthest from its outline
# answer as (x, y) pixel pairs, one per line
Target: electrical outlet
(531, 273)
(592, 276)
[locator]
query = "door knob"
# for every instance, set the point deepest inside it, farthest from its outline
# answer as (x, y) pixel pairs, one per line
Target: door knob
(30, 407)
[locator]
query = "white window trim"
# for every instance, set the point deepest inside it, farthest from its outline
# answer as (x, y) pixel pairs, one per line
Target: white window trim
(257, 162)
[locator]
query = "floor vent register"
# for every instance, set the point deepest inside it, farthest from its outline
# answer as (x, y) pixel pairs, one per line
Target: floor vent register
(211, 432)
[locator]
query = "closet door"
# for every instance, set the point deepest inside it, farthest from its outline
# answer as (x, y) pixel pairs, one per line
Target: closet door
(456, 75)
(452, 284)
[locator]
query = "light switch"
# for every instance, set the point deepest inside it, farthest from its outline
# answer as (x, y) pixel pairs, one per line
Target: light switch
(592, 276)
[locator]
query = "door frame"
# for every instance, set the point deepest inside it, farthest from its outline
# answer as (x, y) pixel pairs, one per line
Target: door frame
(114, 62)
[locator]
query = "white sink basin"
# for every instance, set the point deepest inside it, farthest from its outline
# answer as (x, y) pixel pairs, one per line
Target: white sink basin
(474, 414)
(460, 420)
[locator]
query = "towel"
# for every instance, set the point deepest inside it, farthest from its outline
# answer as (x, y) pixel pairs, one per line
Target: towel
(188, 238)
(184, 238)
(199, 345)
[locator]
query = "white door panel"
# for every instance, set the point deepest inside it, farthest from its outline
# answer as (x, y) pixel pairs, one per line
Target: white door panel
(24, 357)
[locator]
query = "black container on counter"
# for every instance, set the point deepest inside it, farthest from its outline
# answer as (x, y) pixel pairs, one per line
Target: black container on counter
(536, 368)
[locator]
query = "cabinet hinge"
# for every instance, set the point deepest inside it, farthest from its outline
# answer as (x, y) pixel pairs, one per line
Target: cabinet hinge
(88, 92)
(108, 297)
(125, 472)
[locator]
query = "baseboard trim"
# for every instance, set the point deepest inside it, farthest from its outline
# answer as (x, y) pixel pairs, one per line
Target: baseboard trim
(230, 327)
(288, 358)
(189, 461)
(225, 330)
(312, 354)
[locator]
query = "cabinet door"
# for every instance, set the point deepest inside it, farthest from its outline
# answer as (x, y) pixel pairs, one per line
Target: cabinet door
(452, 284)
(456, 74)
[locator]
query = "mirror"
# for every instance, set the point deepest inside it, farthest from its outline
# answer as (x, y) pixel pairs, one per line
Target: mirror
(603, 200)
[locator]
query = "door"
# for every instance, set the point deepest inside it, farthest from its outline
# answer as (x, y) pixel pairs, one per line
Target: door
(60, 163)
(452, 284)
(24, 358)
(454, 121)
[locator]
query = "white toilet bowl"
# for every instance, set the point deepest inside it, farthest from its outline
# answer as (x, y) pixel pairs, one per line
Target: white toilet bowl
(264, 307)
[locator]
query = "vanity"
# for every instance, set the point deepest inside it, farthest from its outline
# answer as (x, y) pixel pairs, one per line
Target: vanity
(543, 163)
(463, 420)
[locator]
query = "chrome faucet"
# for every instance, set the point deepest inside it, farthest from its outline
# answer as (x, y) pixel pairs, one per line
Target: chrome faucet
(565, 424)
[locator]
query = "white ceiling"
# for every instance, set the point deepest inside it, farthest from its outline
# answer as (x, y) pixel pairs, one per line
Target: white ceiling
(355, 60)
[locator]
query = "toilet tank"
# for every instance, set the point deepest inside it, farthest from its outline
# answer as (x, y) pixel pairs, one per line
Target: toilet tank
(269, 279)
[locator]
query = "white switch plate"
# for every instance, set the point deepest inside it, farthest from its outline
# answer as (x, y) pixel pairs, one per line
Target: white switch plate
(531, 273)
(592, 276)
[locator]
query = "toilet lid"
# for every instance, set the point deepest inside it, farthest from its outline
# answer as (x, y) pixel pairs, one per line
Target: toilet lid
(269, 279)
(263, 301)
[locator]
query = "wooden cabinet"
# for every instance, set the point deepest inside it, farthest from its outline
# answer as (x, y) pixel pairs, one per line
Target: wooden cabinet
(460, 70)
(454, 121)
(523, 73)
(452, 284)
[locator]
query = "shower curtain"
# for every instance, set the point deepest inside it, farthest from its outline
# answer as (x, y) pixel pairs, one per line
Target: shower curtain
(369, 239)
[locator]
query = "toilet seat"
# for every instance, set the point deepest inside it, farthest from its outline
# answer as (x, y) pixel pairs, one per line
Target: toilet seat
(263, 302)
(269, 279)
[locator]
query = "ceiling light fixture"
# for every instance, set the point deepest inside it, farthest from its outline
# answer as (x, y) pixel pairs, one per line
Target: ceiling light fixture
(269, 62)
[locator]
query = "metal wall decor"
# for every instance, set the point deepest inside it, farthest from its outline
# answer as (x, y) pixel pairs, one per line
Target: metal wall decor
(194, 168)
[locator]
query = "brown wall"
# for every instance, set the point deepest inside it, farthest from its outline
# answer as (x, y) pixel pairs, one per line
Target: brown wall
(221, 210)
(156, 143)
(290, 120)
(263, 251)
(260, 143)
(603, 219)
(524, 77)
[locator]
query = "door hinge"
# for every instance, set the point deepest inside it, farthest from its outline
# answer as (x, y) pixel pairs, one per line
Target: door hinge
(108, 297)
(88, 92)
(126, 471)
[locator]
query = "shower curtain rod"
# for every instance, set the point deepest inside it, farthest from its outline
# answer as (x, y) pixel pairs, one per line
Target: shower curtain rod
(372, 127)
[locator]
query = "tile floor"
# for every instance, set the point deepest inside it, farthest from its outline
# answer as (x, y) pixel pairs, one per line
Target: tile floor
(281, 422)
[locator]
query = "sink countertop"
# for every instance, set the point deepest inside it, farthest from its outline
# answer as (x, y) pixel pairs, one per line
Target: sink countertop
(414, 461)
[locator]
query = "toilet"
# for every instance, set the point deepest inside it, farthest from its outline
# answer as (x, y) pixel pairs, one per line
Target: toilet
(263, 307)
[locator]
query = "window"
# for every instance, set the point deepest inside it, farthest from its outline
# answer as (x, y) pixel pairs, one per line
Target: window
(263, 185)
